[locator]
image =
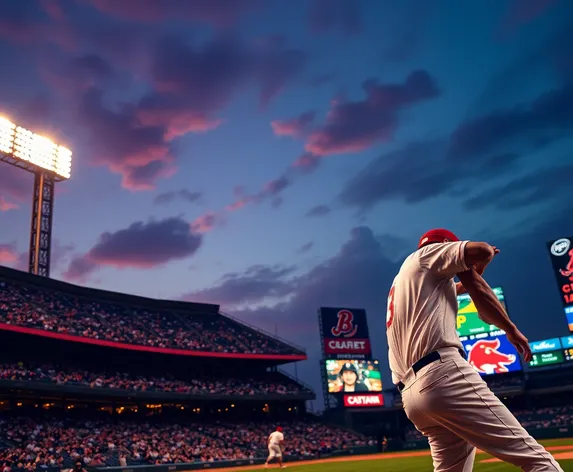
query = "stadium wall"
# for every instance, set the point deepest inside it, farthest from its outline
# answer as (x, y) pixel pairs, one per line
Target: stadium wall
(236, 463)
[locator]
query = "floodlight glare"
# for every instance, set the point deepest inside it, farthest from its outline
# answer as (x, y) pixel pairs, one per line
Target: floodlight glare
(42, 153)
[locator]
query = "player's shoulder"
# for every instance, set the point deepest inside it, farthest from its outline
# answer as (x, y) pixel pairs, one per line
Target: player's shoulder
(411, 262)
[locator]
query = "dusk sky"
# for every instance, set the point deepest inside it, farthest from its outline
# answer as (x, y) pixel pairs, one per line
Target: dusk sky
(275, 156)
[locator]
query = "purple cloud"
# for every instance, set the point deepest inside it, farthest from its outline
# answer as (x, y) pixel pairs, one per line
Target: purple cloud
(141, 245)
(194, 83)
(305, 248)
(255, 284)
(528, 190)
(356, 126)
(546, 118)
(183, 194)
(294, 127)
(319, 210)
(118, 141)
(416, 173)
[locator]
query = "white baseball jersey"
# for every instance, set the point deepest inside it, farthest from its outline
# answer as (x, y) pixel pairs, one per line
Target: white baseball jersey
(422, 305)
(275, 438)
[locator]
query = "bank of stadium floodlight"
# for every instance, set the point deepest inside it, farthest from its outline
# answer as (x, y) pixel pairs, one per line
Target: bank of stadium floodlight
(49, 163)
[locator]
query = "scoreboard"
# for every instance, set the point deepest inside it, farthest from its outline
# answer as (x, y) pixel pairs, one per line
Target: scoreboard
(549, 352)
(468, 320)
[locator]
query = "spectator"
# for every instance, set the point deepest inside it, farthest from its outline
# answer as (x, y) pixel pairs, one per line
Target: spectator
(53, 440)
(61, 312)
(268, 384)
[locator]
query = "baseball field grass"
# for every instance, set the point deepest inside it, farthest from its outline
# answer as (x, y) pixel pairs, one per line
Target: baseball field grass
(420, 461)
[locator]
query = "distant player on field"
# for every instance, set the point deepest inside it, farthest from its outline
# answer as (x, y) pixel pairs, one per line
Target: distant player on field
(275, 443)
(442, 394)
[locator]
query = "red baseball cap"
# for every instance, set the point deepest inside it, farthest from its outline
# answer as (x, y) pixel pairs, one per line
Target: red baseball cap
(436, 236)
(279, 429)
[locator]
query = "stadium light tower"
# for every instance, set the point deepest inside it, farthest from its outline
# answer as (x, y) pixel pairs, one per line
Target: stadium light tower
(49, 163)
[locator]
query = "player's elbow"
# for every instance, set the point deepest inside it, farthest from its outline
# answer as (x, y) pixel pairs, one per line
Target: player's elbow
(476, 252)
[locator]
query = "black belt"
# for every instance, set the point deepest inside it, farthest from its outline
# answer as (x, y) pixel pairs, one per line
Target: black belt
(424, 361)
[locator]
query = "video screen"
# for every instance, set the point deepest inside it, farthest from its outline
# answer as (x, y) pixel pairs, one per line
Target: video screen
(567, 343)
(491, 353)
(353, 376)
(468, 321)
(543, 359)
(569, 315)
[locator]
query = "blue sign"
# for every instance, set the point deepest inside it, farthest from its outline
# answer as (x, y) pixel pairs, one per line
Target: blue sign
(489, 354)
(567, 341)
(546, 345)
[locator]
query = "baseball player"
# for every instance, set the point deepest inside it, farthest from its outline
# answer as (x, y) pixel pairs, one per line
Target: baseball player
(442, 394)
(350, 381)
(276, 447)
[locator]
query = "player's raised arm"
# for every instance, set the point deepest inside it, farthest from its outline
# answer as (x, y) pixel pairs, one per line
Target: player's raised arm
(491, 310)
(451, 256)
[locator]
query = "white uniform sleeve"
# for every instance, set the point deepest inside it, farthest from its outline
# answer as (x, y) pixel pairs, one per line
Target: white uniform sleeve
(444, 259)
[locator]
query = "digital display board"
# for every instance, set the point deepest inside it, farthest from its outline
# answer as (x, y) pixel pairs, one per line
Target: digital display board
(547, 345)
(567, 341)
(345, 333)
(568, 354)
(353, 376)
(361, 401)
(569, 317)
(543, 359)
(491, 353)
(468, 321)
(561, 253)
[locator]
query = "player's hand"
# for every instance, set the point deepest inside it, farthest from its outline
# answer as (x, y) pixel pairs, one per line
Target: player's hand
(521, 343)
(480, 266)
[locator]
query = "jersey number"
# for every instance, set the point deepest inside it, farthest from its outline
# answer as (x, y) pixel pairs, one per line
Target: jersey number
(390, 312)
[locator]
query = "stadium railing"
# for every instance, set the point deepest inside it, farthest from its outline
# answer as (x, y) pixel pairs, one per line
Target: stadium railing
(85, 391)
(263, 332)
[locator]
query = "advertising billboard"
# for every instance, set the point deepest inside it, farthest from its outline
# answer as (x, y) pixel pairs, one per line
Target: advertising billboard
(567, 341)
(547, 345)
(345, 376)
(344, 333)
(561, 253)
(360, 401)
(545, 359)
(491, 353)
(468, 321)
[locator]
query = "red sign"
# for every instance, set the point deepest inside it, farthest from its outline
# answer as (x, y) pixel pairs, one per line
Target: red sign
(347, 346)
(345, 333)
(364, 400)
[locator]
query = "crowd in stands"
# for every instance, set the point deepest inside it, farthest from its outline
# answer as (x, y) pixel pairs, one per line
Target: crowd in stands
(31, 444)
(542, 418)
(271, 384)
(61, 312)
(500, 383)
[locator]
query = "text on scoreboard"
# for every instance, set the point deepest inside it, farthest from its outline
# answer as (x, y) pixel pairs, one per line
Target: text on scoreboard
(552, 351)
(468, 320)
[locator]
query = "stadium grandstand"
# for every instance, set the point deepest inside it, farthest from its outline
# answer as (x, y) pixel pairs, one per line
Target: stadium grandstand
(112, 379)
